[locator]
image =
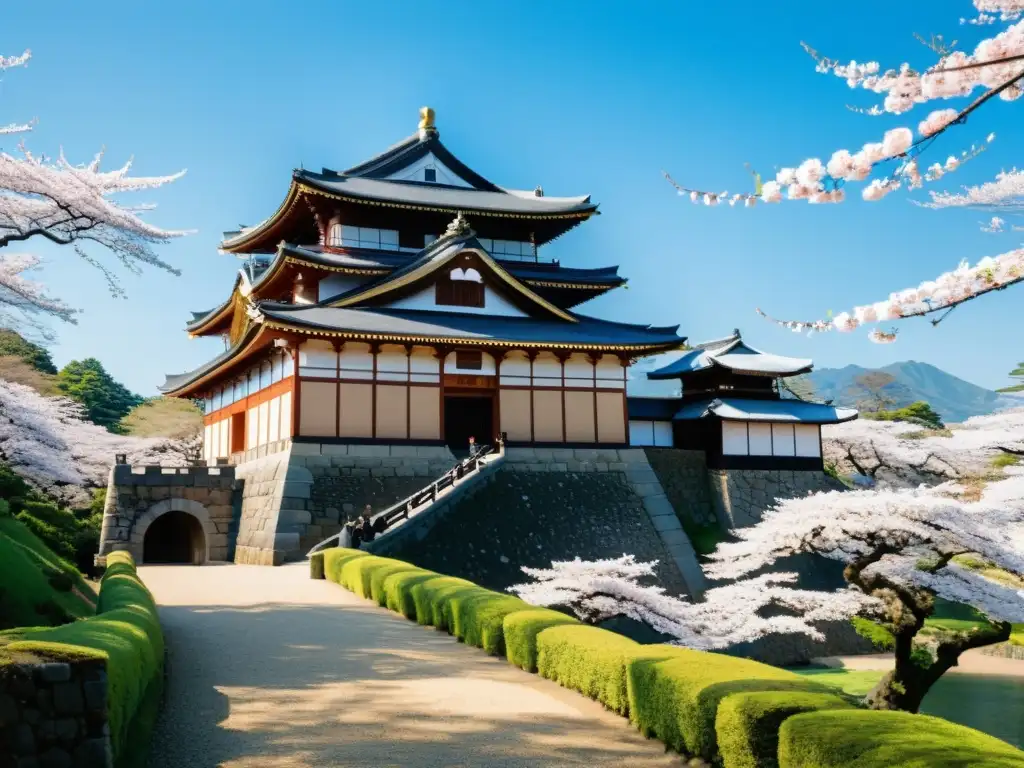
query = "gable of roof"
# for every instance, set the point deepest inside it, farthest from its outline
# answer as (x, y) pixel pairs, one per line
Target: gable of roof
(735, 355)
(431, 260)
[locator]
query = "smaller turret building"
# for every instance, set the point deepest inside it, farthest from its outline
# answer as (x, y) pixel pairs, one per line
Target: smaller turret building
(732, 408)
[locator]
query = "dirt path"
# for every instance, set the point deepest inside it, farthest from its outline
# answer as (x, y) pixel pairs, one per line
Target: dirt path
(269, 668)
(970, 663)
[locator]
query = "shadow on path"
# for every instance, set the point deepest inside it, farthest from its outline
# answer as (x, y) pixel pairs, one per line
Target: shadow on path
(340, 682)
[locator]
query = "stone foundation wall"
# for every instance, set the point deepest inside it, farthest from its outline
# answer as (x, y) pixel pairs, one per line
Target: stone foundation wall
(522, 518)
(54, 715)
(684, 476)
(740, 496)
(136, 496)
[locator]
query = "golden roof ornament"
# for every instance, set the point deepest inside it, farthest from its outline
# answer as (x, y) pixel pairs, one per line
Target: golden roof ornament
(459, 226)
(427, 121)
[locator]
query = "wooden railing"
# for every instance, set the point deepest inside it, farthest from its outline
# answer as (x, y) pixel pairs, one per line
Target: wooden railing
(406, 508)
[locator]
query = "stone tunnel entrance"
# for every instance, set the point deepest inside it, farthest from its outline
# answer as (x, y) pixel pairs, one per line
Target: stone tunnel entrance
(174, 537)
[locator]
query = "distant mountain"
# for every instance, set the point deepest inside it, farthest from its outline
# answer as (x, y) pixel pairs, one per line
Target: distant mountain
(954, 398)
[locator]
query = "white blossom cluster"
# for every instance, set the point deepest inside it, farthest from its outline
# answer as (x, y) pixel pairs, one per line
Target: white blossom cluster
(728, 615)
(915, 532)
(69, 205)
(905, 87)
(895, 454)
(1006, 192)
(46, 440)
(989, 11)
(947, 290)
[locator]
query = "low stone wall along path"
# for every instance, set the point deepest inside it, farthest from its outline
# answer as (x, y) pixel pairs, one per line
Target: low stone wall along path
(269, 669)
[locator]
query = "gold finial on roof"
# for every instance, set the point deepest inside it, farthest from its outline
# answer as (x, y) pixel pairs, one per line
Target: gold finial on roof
(426, 119)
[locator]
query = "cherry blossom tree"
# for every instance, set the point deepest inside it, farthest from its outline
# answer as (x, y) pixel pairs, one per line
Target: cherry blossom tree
(726, 616)
(896, 160)
(66, 204)
(47, 441)
(902, 548)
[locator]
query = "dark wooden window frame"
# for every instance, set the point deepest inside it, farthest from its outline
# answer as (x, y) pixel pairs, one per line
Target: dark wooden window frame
(469, 359)
(459, 293)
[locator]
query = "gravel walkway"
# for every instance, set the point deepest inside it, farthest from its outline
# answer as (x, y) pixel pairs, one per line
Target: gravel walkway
(269, 668)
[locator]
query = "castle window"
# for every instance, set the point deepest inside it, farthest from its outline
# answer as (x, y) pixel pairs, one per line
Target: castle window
(334, 235)
(469, 360)
(460, 288)
(429, 174)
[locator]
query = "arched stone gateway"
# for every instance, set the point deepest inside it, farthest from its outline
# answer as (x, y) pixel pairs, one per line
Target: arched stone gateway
(174, 531)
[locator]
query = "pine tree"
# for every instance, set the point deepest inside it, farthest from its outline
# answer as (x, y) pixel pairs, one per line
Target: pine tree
(12, 344)
(106, 400)
(1017, 373)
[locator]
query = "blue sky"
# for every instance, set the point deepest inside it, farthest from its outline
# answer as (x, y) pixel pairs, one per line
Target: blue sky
(593, 97)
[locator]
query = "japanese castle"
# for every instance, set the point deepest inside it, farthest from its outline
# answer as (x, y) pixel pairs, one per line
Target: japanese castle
(404, 301)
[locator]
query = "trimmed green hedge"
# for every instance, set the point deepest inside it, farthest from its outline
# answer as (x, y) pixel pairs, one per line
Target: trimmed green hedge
(589, 660)
(316, 565)
(674, 692)
(747, 724)
(860, 738)
(726, 709)
(398, 590)
(126, 633)
(522, 629)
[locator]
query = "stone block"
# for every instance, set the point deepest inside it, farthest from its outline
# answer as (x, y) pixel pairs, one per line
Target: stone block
(405, 451)
(67, 699)
(585, 454)
(54, 672)
(434, 452)
(382, 471)
(318, 461)
(659, 506)
(368, 461)
(93, 753)
(404, 472)
(334, 449)
(369, 451)
(342, 461)
(296, 489)
(632, 455)
(645, 475)
(675, 536)
(65, 728)
(537, 467)
(8, 710)
(557, 466)
(517, 454)
(664, 523)
(648, 489)
(218, 554)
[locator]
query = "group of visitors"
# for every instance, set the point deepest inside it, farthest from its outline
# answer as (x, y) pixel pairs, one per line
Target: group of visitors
(360, 530)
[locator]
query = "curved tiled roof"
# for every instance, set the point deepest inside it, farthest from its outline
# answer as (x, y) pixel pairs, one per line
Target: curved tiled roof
(732, 353)
(786, 411)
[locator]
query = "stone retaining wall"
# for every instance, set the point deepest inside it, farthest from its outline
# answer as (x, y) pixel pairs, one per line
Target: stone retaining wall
(740, 496)
(54, 715)
(684, 476)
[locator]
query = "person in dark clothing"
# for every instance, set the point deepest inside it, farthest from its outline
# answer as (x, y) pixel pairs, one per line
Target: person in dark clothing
(367, 533)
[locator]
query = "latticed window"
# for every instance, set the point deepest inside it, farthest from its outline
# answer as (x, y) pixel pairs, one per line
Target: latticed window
(469, 360)
(454, 292)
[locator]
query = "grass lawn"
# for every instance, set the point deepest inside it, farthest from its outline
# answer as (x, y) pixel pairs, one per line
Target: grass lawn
(856, 682)
(36, 586)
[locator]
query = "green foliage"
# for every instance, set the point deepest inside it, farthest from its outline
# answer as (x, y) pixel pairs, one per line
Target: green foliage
(674, 693)
(36, 585)
(589, 660)
(126, 633)
(478, 616)
(12, 344)
(859, 738)
(854, 682)
(725, 709)
(748, 724)
(1017, 373)
(431, 597)
(1003, 460)
(880, 637)
(398, 590)
(920, 413)
(106, 401)
(522, 629)
(163, 417)
(335, 559)
(316, 565)
(704, 538)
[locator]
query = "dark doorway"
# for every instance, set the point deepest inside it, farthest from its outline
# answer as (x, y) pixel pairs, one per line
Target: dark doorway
(466, 417)
(174, 537)
(238, 432)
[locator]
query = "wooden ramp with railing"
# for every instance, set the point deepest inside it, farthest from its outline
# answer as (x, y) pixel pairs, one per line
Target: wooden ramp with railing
(410, 519)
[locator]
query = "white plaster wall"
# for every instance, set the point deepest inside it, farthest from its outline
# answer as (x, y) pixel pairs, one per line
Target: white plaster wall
(734, 438)
(317, 358)
(579, 371)
(494, 304)
(650, 433)
(515, 369)
(445, 175)
(547, 371)
(808, 440)
(424, 366)
(760, 438)
(782, 440)
(610, 373)
(392, 363)
(356, 361)
(333, 285)
(487, 367)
